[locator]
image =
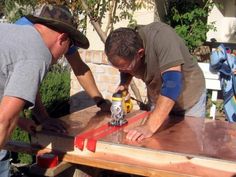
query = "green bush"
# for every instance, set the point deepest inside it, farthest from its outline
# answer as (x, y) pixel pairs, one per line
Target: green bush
(55, 91)
(22, 136)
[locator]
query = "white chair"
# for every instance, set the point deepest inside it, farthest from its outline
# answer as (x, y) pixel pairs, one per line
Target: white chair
(212, 83)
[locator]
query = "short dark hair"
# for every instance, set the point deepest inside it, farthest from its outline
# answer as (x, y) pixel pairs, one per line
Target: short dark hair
(123, 42)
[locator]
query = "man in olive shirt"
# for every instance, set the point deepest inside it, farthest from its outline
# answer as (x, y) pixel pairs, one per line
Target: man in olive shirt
(158, 56)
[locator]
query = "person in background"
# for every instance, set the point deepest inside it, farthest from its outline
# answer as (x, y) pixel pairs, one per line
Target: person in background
(158, 56)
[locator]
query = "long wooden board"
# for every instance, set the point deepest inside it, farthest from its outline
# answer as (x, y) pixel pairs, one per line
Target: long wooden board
(184, 147)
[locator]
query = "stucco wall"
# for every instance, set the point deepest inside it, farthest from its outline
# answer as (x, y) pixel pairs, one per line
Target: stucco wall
(225, 22)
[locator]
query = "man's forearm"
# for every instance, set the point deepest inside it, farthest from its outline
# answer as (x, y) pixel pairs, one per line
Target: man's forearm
(39, 111)
(10, 108)
(84, 75)
(88, 83)
(164, 104)
(161, 112)
(6, 129)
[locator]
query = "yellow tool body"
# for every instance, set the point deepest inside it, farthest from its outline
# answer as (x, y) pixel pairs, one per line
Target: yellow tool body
(127, 104)
(119, 108)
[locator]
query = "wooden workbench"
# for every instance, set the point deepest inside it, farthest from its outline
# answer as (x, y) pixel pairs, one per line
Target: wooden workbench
(184, 147)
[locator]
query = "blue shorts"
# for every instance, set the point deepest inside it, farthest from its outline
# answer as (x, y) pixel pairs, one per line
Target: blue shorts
(4, 164)
(199, 109)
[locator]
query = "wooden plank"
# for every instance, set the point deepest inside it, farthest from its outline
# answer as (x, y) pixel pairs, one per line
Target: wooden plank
(162, 164)
(17, 146)
(186, 147)
(93, 162)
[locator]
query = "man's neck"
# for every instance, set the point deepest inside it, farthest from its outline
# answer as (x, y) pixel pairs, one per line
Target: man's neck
(48, 35)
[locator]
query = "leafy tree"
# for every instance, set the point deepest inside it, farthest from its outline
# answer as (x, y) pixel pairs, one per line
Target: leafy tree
(97, 10)
(189, 19)
(2, 4)
(14, 9)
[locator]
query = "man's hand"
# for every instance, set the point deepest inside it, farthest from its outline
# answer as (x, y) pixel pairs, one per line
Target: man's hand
(50, 124)
(121, 88)
(138, 133)
(55, 125)
(154, 122)
(104, 105)
(27, 125)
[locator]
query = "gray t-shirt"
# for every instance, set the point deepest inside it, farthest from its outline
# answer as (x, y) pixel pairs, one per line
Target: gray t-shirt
(24, 61)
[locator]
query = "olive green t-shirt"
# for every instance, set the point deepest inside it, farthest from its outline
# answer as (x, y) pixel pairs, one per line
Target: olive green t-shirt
(165, 49)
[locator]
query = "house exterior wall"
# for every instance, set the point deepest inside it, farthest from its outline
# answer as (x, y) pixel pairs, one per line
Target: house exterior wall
(225, 22)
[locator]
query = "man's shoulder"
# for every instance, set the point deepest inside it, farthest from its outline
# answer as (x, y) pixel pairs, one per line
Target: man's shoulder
(23, 40)
(14, 30)
(154, 26)
(151, 30)
(17, 34)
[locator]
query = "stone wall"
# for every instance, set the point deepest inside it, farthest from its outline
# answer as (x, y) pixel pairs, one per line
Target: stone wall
(106, 77)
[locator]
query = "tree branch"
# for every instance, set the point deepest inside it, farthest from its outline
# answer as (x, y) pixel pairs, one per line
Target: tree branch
(95, 24)
(109, 21)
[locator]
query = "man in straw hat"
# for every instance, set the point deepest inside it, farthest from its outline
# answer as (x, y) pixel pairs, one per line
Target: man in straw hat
(26, 53)
(80, 69)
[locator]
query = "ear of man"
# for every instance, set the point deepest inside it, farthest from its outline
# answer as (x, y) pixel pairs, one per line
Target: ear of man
(141, 52)
(63, 37)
